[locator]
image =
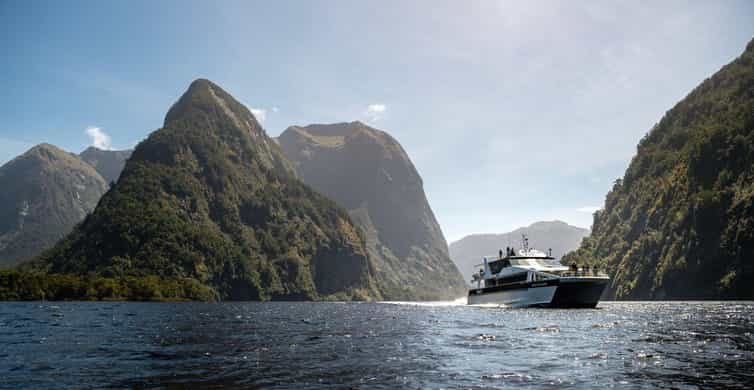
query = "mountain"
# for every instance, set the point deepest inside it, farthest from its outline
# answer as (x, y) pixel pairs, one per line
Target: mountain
(109, 163)
(367, 171)
(680, 223)
(210, 200)
(45, 192)
(556, 235)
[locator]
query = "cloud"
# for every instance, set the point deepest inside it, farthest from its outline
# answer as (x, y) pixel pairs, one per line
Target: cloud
(259, 113)
(588, 209)
(374, 111)
(100, 139)
(275, 109)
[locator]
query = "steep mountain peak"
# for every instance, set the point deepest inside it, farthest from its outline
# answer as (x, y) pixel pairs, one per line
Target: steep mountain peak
(204, 98)
(46, 191)
(206, 106)
(47, 150)
(207, 197)
(46, 154)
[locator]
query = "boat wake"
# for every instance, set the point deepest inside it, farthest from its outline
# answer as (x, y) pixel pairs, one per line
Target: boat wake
(457, 302)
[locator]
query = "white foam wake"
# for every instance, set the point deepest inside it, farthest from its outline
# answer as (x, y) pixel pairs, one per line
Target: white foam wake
(458, 302)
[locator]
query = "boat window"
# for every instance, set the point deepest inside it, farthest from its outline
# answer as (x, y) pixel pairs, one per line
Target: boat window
(519, 277)
(496, 266)
(543, 263)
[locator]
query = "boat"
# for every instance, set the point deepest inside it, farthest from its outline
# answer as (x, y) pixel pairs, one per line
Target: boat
(527, 277)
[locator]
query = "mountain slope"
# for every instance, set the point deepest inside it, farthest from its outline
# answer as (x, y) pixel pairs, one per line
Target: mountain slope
(45, 192)
(556, 235)
(367, 171)
(680, 224)
(109, 163)
(212, 198)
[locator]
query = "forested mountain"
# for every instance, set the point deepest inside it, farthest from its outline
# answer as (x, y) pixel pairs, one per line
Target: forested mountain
(209, 200)
(680, 223)
(43, 194)
(109, 163)
(556, 235)
(367, 171)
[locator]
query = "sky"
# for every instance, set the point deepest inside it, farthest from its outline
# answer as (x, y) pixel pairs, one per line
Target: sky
(512, 111)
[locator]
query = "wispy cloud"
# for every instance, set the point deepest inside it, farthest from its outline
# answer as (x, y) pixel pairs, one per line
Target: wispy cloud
(259, 113)
(374, 111)
(588, 209)
(100, 139)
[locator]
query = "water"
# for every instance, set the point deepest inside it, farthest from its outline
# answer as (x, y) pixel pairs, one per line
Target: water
(374, 345)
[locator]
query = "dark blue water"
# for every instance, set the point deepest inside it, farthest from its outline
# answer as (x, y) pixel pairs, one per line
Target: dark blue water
(370, 345)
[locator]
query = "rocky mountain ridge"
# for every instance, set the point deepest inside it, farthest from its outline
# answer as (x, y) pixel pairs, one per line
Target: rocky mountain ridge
(369, 173)
(210, 199)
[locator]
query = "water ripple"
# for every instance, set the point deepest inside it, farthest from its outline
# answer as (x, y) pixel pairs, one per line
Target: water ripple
(323, 345)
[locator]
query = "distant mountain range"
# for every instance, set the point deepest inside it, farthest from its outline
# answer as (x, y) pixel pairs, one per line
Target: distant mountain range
(210, 201)
(210, 207)
(367, 171)
(680, 223)
(556, 235)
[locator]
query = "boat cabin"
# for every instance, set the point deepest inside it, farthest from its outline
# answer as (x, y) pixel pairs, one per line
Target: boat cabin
(525, 265)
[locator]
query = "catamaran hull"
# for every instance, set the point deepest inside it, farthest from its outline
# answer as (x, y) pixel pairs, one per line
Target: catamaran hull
(516, 298)
(577, 292)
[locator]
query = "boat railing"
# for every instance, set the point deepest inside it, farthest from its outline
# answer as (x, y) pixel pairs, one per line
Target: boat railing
(584, 272)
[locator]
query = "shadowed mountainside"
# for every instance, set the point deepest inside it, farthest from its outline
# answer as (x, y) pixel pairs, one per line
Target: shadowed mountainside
(367, 171)
(45, 192)
(109, 163)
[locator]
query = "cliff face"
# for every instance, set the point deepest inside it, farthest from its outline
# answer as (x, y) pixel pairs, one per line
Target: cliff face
(556, 235)
(210, 197)
(367, 171)
(680, 223)
(45, 192)
(109, 163)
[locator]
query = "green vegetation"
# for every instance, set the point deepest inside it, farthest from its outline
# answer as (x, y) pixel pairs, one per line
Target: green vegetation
(680, 224)
(18, 285)
(210, 201)
(367, 171)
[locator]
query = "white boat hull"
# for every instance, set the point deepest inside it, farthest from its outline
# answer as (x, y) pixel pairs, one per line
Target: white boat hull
(567, 292)
(516, 298)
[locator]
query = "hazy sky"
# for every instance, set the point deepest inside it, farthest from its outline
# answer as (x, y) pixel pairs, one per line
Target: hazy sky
(512, 112)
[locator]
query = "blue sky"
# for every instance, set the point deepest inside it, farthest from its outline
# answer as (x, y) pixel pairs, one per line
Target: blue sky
(513, 112)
